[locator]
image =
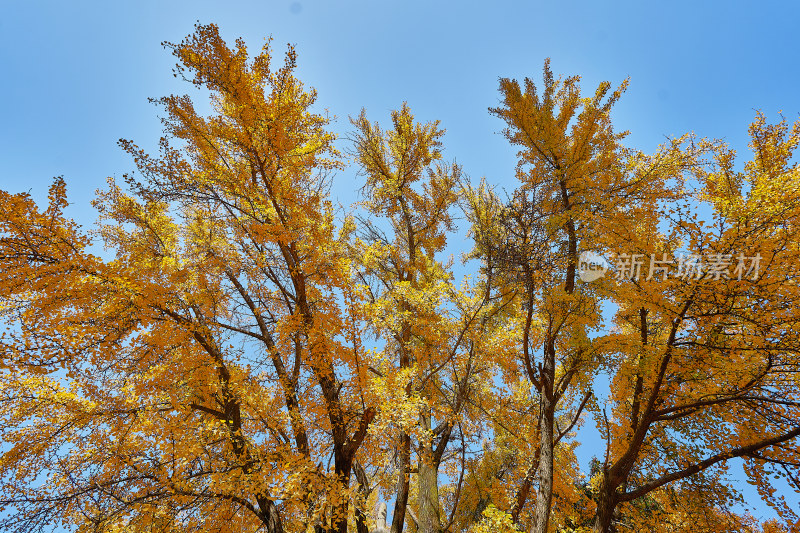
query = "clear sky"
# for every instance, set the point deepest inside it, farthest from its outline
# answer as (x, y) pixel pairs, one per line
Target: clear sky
(75, 76)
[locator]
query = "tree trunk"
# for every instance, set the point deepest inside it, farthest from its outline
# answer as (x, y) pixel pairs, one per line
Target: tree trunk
(342, 468)
(363, 495)
(428, 481)
(401, 502)
(544, 475)
(429, 520)
(606, 505)
(269, 515)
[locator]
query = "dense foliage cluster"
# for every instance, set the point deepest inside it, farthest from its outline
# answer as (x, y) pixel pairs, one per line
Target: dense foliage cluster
(248, 360)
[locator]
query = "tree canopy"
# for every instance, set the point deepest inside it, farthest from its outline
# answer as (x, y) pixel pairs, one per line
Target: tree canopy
(248, 358)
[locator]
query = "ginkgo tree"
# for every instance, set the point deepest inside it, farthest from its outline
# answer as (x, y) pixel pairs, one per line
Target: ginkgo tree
(213, 369)
(569, 159)
(436, 334)
(733, 339)
(705, 364)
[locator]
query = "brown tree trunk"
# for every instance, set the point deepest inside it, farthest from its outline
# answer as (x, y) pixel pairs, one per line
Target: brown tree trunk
(363, 494)
(544, 474)
(270, 516)
(342, 467)
(401, 501)
(428, 519)
(606, 505)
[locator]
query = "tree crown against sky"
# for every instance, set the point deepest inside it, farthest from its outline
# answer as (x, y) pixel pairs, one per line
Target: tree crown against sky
(248, 360)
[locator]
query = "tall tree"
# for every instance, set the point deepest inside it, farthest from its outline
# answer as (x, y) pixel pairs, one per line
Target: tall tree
(706, 354)
(569, 158)
(432, 330)
(582, 191)
(210, 370)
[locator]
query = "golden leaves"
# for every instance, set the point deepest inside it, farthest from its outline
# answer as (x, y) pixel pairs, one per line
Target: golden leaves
(246, 349)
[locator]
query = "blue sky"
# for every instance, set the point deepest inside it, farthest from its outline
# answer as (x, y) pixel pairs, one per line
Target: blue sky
(76, 75)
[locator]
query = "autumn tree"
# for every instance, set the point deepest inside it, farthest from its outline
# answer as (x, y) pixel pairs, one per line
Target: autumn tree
(581, 190)
(569, 156)
(211, 373)
(705, 360)
(435, 332)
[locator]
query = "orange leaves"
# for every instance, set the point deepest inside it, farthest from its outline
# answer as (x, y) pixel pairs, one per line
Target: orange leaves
(264, 132)
(215, 348)
(561, 134)
(250, 360)
(41, 237)
(393, 162)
